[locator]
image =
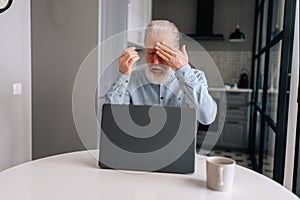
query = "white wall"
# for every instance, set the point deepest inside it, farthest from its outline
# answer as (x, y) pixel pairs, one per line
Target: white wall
(112, 41)
(64, 32)
(292, 122)
(139, 15)
(15, 67)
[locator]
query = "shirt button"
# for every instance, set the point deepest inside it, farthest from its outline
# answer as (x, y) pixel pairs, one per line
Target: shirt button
(126, 81)
(161, 97)
(179, 98)
(120, 95)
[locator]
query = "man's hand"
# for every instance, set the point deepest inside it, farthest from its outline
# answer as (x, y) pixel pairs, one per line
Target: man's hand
(173, 57)
(126, 59)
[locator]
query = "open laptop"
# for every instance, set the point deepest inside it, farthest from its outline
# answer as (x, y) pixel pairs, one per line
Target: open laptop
(148, 138)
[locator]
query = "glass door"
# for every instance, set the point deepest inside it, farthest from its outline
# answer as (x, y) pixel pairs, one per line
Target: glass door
(271, 68)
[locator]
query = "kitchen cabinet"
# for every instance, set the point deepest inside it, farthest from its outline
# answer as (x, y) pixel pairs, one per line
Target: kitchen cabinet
(234, 134)
(236, 126)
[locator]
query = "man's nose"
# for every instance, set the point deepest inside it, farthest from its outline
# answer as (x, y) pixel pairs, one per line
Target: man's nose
(156, 59)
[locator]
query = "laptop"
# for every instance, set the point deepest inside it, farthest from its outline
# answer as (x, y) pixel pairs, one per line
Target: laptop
(148, 138)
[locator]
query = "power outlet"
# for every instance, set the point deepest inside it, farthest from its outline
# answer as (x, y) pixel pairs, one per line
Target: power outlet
(17, 89)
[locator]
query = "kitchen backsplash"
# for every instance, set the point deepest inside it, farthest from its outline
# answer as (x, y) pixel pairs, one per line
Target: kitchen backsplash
(231, 64)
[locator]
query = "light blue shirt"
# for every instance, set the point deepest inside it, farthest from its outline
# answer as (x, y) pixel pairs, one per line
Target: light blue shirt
(186, 87)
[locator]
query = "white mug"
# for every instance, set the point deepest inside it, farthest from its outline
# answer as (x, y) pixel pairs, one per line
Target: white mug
(235, 86)
(220, 173)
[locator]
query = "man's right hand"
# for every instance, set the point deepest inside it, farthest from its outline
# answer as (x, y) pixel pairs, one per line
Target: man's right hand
(126, 60)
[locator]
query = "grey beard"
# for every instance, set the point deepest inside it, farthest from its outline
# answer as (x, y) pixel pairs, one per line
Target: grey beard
(157, 78)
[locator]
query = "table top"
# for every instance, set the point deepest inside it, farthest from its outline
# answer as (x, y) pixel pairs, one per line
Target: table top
(77, 176)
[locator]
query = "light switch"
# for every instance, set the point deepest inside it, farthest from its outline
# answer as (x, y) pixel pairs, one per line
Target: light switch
(17, 88)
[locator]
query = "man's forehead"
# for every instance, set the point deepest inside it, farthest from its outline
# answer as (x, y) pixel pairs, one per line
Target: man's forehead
(153, 38)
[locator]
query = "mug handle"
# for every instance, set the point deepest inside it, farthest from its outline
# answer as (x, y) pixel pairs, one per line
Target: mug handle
(220, 176)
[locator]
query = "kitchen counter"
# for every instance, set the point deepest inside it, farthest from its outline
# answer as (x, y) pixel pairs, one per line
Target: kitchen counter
(230, 90)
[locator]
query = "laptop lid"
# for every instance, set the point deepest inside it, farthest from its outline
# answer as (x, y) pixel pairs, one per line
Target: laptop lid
(148, 138)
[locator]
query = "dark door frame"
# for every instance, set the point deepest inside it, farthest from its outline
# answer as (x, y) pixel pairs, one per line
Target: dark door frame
(286, 37)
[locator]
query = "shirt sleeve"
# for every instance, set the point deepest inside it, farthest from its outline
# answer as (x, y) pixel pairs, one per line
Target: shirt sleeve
(194, 85)
(117, 93)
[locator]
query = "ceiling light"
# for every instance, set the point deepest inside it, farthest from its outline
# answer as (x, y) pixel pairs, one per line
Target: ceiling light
(237, 35)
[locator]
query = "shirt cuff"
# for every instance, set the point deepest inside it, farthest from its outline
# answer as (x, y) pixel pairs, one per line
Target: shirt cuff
(186, 73)
(123, 78)
(183, 69)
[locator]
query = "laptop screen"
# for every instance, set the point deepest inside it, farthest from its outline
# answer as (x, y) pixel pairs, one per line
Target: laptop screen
(148, 138)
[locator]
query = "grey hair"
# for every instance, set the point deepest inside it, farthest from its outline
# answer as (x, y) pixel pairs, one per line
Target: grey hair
(157, 26)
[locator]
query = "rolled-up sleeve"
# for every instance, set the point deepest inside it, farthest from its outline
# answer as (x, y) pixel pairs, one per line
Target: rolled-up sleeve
(194, 85)
(117, 93)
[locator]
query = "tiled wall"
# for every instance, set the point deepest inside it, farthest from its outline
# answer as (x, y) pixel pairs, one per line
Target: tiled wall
(231, 64)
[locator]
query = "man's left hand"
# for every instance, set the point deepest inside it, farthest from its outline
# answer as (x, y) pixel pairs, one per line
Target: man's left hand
(173, 57)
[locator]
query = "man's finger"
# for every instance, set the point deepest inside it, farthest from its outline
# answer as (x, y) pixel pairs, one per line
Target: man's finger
(128, 50)
(162, 56)
(166, 54)
(165, 47)
(134, 56)
(127, 56)
(133, 59)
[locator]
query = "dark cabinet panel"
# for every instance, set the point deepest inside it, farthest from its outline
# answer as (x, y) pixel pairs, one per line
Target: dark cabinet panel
(234, 134)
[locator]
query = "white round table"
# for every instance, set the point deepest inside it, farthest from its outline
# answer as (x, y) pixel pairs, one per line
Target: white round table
(76, 176)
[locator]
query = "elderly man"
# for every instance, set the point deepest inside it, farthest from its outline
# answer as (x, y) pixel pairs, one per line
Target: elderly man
(168, 79)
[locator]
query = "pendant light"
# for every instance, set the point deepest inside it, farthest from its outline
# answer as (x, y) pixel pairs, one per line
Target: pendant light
(237, 35)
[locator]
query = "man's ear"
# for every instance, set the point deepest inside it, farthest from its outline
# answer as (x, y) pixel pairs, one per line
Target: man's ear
(183, 49)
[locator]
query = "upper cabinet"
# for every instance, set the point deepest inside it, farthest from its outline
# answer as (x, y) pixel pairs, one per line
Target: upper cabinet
(203, 20)
(193, 17)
